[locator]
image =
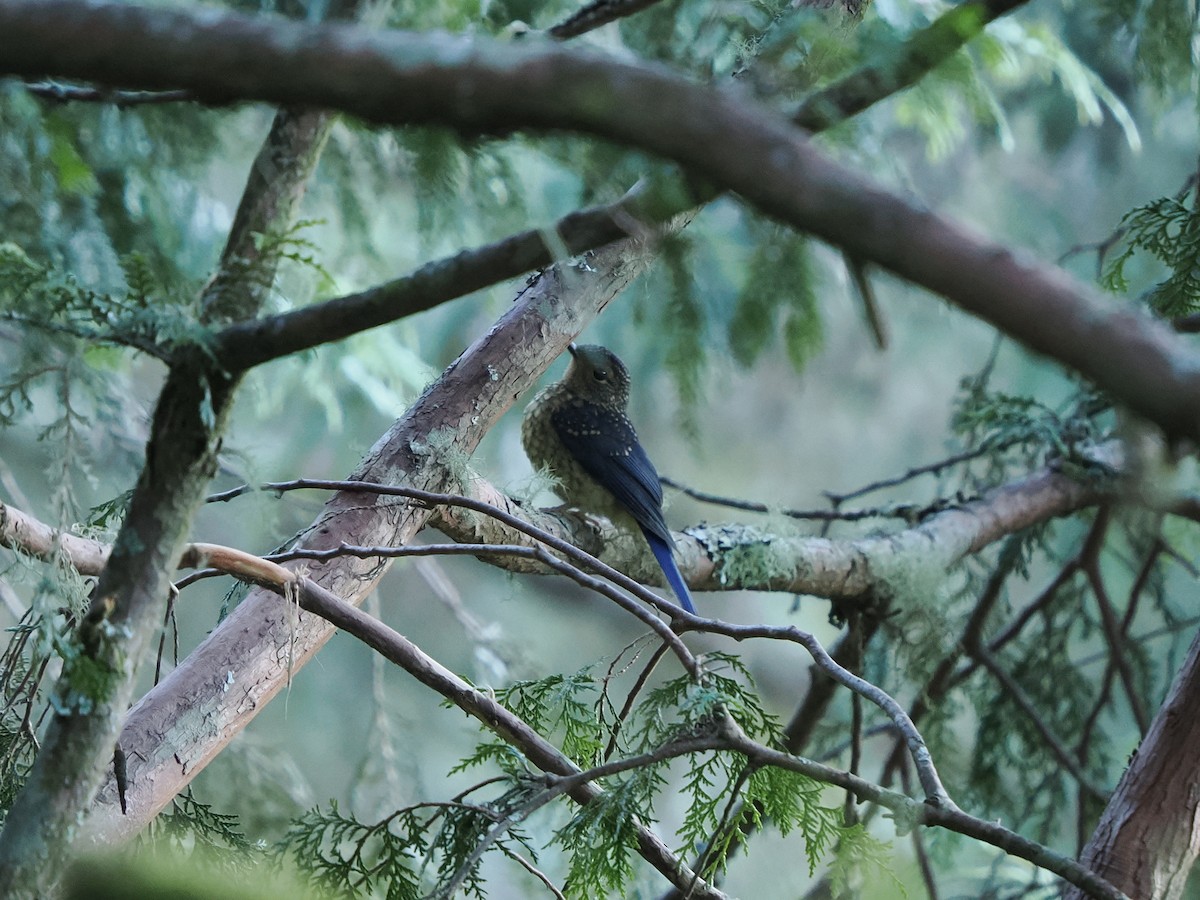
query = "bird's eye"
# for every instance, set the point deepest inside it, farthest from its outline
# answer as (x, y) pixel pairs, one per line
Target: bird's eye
(599, 374)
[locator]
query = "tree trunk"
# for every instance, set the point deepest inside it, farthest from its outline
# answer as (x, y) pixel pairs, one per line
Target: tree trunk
(1149, 835)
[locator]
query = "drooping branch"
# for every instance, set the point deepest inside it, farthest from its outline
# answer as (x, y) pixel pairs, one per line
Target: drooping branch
(403, 652)
(581, 786)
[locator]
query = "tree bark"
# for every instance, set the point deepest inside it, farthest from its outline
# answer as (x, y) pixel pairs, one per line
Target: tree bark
(180, 725)
(1148, 837)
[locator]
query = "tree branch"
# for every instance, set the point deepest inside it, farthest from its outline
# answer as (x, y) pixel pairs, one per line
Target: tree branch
(96, 686)
(923, 51)
(1144, 837)
(165, 751)
(478, 85)
(719, 557)
(250, 343)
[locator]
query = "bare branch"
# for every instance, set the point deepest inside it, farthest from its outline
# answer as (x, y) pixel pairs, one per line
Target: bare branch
(70, 93)
(250, 343)
(22, 532)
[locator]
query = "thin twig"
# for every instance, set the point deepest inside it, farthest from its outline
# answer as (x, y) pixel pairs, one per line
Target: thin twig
(1017, 694)
(906, 511)
(69, 93)
(1090, 562)
(596, 14)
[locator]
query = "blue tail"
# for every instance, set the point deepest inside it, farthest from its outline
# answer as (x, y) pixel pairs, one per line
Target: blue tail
(666, 558)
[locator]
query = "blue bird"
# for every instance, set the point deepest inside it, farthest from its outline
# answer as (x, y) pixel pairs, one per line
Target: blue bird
(577, 428)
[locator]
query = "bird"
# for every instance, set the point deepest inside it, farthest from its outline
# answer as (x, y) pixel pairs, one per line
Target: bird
(577, 428)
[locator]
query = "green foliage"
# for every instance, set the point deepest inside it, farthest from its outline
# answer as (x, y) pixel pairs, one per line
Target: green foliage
(43, 633)
(145, 316)
(392, 858)
(87, 184)
(1001, 424)
(561, 708)
(1012, 769)
(860, 854)
(74, 175)
(191, 827)
(1010, 54)
(17, 748)
(681, 707)
(358, 860)
(1169, 230)
(778, 290)
(1162, 33)
(600, 839)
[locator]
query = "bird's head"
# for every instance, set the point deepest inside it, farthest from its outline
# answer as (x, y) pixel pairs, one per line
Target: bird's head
(596, 374)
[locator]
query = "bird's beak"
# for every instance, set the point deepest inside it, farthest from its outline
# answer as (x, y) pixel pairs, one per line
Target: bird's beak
(572, 349)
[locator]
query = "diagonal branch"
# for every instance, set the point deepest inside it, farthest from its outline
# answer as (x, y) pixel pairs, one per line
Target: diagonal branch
(492, 714)
(927, 48)
(735, 142)
(165, 751)
(250, 343)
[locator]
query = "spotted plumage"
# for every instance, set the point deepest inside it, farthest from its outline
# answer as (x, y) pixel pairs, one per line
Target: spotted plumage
(578, 429)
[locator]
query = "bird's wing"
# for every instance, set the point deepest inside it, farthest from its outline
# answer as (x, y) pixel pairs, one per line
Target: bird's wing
(604, 443)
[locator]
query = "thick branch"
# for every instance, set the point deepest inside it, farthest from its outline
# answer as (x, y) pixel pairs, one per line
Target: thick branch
(261, 643)
(250, 343)
(478, 85)
(740, 557)
(1147, 838)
